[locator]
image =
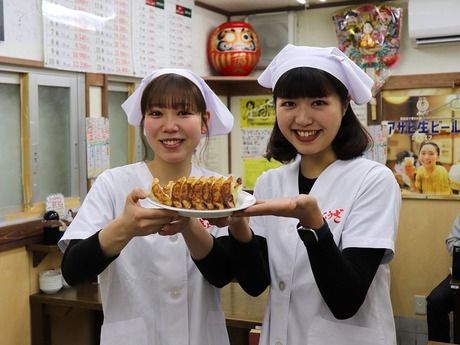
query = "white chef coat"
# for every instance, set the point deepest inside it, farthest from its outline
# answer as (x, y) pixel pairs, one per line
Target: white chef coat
(152, 294)
(360, 201)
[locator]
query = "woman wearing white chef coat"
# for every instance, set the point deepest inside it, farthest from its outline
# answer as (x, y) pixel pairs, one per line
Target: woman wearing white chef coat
(329, 216)
(151, 290)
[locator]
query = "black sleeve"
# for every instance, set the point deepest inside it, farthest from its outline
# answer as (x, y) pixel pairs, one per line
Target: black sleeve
(351, 271)
(230, 259)
(216, 266)
(83, 260)
(250, 264)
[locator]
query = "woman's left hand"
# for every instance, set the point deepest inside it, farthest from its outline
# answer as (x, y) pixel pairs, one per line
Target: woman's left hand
(303, 207)
(177, 224)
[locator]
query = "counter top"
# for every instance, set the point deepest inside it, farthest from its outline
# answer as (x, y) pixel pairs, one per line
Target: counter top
(20, 234)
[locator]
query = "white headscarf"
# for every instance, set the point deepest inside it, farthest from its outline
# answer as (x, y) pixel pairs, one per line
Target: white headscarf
(330, 60)
(221, 119)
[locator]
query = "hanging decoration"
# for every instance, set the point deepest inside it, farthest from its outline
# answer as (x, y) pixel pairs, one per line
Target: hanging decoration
(233, 49)
(370, 36)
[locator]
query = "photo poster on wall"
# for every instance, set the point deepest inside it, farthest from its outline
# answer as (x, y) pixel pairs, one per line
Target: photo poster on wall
(424, 148)
(97, 145)
(254, 120)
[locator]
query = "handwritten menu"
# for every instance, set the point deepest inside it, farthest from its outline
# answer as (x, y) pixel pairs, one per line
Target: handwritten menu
(117, 36)
(97, 145)
(89, 36)
(162, 34)
(212, 153)
(378, 152)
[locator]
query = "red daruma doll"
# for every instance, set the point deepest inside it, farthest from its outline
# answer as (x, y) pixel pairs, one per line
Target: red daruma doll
(233, 49)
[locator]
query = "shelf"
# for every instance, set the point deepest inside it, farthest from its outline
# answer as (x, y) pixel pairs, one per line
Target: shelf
(236, 86)
(40, 251)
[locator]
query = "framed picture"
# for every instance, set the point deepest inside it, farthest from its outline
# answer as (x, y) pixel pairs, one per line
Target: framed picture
(423, 148)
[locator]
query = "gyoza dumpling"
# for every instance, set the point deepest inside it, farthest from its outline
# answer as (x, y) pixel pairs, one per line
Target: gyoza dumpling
(216, 192)
(207, 192)
(230, 190)
(176, 193)
(159, 194)
(198, 192)
(186, 192)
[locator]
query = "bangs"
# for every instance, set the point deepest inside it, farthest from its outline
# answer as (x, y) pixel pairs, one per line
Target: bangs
(175, 92)
(308, 82)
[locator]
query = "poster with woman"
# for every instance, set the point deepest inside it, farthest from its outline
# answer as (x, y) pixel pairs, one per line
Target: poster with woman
(370, 36)
(423, 128)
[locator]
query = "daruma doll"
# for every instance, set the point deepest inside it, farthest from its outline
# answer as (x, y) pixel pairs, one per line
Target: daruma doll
(233, 49)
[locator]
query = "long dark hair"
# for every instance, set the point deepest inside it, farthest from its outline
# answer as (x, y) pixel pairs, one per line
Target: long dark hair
(170, 91)
(352, 138)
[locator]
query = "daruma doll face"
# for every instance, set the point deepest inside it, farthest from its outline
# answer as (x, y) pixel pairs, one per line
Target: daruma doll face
(233, 49)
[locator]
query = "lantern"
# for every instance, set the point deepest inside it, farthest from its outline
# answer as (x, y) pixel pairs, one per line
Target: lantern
(233, 49)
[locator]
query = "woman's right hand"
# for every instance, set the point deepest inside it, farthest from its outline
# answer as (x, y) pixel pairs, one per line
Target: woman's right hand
(140, 221)
(135, 220)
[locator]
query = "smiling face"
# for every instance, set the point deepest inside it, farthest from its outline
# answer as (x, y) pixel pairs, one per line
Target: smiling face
(173, 133)
(310, 124)
(428, 155)
(310, 105)
(175, 118)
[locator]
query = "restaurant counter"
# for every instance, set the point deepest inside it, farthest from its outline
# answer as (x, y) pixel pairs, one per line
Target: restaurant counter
(242, 312)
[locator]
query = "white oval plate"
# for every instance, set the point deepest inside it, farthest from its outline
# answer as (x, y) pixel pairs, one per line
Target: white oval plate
(245, 200)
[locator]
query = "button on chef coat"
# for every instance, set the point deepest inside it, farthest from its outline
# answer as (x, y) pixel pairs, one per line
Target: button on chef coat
(152, 293)
(296, 312)
(281, 285)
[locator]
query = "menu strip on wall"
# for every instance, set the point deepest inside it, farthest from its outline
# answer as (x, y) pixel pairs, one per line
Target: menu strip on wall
(101, 36)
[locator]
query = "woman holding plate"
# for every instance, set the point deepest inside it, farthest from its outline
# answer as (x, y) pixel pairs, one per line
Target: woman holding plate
(151, 290)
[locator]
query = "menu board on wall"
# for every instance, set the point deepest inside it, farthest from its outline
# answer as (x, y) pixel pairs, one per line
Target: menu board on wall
(89, 36)
(162, 34)
(101, 36)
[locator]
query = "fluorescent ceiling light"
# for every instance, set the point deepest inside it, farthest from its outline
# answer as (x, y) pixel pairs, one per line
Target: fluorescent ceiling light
(303, 2)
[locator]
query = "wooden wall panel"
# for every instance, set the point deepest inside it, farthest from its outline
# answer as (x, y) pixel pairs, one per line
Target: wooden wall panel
(14, 297)
(421, 260)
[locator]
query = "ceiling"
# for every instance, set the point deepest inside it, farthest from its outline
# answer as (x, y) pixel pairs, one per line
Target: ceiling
(238, 7)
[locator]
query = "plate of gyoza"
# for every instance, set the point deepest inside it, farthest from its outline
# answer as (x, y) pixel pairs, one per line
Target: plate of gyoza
(203, 197)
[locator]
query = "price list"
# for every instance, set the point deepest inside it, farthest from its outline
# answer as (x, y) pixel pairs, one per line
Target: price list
(88, 36)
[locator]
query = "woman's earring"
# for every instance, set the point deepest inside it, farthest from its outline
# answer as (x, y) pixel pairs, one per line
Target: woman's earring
(145, 133)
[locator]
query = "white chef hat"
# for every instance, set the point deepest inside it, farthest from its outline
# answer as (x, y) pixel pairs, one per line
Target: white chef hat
(221, 120)
(330, 60)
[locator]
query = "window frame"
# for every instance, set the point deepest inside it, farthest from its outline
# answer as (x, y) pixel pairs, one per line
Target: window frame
(29, 79)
